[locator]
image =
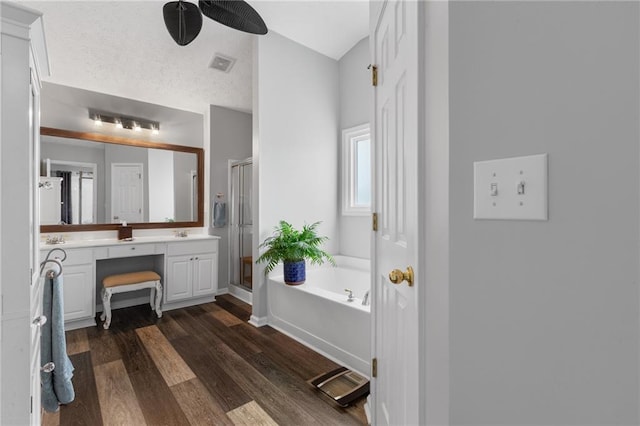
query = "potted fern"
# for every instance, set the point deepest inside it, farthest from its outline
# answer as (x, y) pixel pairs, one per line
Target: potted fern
(292, 247)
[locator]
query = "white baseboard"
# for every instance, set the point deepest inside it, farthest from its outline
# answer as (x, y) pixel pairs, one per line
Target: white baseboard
(187, 302)
(324, 348)
(83, 323)
(222, 291)
(258, 321)
(240, 293)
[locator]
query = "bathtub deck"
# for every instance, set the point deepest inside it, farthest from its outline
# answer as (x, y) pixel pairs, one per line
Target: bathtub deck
(198, 365)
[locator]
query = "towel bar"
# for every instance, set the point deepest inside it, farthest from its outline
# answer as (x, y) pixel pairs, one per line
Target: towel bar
(64, 253)
(52, 273)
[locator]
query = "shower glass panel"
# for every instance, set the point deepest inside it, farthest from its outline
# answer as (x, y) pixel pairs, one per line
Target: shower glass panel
(241, 227)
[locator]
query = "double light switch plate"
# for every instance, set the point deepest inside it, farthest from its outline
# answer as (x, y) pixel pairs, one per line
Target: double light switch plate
(511, 188)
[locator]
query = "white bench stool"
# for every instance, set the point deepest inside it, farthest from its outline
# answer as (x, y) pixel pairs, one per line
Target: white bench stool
(130, 282)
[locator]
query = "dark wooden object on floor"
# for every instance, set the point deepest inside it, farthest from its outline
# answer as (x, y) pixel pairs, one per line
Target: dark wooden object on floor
(342, 385)
(243, 374)
(247, 271)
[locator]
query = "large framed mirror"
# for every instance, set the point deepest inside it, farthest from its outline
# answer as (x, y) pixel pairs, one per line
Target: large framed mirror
(91, 182)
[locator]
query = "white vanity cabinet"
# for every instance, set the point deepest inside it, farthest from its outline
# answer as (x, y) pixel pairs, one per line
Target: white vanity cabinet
(78, 285)
(79, 288)
(192, 270)
(188, 266)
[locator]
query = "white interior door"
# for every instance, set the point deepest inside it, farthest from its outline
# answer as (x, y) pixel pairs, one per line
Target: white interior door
(396, 400)
(126, 193)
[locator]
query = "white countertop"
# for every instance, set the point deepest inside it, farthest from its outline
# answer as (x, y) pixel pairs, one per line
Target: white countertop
(80, 243)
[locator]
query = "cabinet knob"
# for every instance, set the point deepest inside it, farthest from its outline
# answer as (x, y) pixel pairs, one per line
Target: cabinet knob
(39, 321)
(196, 258)
(191, 258)
(48, 367)
(133, 248)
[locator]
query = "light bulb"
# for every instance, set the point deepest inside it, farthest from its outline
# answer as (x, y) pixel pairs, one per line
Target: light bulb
(97, 120)
(118, 123)
(137, 127)
(155, 130)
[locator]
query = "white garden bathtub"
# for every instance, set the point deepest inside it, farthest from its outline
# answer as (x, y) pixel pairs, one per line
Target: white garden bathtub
(318, 314)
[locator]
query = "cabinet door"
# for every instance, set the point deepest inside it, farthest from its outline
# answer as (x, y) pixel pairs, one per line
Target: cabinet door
(178, 284)
(79, 292)
(205, 279)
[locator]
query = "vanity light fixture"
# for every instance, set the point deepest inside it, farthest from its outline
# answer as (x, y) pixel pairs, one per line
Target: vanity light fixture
(124, 122)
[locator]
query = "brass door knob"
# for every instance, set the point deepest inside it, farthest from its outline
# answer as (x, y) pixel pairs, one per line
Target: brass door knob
(397, 276)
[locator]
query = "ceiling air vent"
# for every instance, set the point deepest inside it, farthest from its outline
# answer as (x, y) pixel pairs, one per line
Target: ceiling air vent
(222, 63)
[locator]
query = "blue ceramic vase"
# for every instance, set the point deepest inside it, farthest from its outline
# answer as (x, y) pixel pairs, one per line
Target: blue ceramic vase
(294, 272)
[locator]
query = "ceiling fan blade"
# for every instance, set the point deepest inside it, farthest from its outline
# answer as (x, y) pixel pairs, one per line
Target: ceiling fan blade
(183, 21)
(236, 14)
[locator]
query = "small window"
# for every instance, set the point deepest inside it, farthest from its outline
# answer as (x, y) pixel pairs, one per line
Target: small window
(356, 171)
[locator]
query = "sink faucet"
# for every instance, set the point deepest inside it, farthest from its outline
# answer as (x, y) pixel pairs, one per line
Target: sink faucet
(350, 296)
(55, 239)
(365, 299)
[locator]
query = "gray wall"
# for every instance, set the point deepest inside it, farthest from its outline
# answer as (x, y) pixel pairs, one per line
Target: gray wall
(544, 315)
(231, 133)
(356, 97)
(296, 125)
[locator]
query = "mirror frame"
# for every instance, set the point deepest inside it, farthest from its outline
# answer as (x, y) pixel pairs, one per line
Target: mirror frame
(97, 137)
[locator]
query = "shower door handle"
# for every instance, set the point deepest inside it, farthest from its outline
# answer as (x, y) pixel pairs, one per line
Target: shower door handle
(397, 276)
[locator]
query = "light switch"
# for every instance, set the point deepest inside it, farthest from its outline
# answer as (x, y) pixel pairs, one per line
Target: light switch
(517, 188)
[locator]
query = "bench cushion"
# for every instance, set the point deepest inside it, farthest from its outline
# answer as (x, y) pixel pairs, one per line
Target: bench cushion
(130, 278)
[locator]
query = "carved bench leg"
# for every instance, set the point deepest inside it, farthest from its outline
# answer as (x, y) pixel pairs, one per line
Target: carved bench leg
(152, 298)
(158, 291)
(103, 315)
(106, 305)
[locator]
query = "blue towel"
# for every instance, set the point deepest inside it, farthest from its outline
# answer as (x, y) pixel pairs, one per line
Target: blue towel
(56, 386)
(219, 214)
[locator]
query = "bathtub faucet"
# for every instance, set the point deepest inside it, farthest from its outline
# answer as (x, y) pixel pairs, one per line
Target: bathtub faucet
(350, 296)
(365, 299)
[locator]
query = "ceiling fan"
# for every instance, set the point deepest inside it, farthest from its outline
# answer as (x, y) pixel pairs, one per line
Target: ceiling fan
(184, 20)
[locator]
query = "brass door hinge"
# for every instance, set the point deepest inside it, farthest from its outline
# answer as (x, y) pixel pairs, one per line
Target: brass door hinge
(374, 367)
(374, 74)
(374, 221)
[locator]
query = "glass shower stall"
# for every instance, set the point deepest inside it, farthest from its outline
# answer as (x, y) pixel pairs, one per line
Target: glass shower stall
(240, 224)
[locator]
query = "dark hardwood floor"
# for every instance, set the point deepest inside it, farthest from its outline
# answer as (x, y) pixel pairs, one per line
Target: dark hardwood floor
(202, 365)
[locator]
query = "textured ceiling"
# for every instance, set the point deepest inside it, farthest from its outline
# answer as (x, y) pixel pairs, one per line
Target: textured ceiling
(122, 48)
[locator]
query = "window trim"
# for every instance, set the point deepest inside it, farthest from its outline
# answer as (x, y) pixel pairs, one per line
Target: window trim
(350, 137)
